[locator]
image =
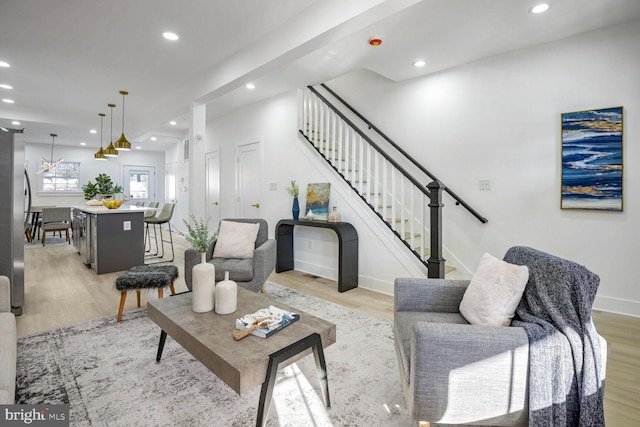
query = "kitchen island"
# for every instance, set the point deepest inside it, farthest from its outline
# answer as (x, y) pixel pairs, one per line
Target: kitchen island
(109, 240)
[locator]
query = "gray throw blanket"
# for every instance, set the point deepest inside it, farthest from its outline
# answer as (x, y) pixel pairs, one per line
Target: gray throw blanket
(566, 365)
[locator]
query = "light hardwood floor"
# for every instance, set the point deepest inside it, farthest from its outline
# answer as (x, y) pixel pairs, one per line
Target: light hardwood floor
(60, 290)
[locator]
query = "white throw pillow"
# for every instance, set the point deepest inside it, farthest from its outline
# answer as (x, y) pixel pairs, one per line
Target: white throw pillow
(236, 240)
(494, 292)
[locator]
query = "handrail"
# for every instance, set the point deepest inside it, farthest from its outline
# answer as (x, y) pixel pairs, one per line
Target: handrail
(457, 198)
(415, 182)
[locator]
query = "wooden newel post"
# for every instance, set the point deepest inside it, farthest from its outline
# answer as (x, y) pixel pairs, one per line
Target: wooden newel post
(435, 263)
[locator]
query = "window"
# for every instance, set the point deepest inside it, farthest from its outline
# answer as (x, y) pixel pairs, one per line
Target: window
(139, 184)
(64, 179)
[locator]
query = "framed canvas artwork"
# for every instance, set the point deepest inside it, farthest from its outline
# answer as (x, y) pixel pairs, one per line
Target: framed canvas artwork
(318, 200)
(592, 159)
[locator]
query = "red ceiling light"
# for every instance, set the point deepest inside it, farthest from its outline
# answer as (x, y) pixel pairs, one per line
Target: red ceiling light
(375, 42)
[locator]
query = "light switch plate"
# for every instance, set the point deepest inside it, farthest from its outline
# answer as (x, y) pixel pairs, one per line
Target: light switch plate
(484, 184)
(126, 225)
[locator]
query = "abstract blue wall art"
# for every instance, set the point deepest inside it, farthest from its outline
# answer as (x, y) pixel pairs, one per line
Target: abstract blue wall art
(592, 160)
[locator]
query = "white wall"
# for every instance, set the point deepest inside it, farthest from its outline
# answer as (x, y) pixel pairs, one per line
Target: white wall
(287, 158)
(499, 119)
(89, 169)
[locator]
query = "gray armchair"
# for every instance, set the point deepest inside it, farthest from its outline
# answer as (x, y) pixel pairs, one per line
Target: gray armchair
(453, 372)
(249, 273)
(456, 373)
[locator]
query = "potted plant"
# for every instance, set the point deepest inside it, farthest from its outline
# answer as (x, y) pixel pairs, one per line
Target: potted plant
(198, 234)
(204, 274)
(103, 188)
(294, 191)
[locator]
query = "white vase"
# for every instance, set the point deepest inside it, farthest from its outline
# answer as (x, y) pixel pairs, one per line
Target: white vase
(203, 285)
(226, 295)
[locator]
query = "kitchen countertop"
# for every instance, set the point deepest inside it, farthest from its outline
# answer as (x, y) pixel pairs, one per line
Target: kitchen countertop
(104, 210)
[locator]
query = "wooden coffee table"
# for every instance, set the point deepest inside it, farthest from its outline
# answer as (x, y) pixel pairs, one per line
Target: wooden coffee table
(252, 361)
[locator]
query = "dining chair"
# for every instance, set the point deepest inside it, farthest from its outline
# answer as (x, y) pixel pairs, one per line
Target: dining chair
(56, 219)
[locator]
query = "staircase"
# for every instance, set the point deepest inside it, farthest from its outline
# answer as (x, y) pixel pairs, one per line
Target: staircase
(387, 179)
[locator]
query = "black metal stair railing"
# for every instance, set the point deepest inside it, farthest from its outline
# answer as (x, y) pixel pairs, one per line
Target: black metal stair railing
(458, 199)
(410, 209)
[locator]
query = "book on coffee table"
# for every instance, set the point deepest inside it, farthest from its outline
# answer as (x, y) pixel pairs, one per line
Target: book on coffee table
(269, 320)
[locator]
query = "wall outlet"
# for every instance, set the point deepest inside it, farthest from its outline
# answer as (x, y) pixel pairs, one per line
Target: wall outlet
(126, 225)
(273, 186)
(484, 184)
(310, 244)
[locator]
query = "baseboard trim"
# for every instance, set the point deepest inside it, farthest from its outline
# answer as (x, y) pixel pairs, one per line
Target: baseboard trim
(365, 282)
(617, 305)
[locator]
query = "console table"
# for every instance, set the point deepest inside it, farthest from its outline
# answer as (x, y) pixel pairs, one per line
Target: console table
(347, 248)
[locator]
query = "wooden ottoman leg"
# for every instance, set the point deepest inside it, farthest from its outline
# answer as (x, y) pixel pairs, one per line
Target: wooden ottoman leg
(138, 291)
(160, 293)
(123, 297)
(173, 291)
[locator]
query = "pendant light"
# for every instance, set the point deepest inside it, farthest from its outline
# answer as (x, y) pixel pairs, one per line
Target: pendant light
(122, 143)
(110, 151)
(100, 154)
(50, 165)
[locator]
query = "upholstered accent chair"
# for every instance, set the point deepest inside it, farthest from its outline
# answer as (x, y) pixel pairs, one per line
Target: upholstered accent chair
(249, 273)
(453, 372)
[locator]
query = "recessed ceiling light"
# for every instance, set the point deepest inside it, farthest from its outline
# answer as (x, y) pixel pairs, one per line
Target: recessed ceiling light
(170, 36)
(8, 101)
(138, 147)
(250, 86)
(172, 123)
(153, 138)
(83, 143)
(15, 122)
(4, 86)
(540, 8)
(93, 131)
(4, 64)
(420, 63)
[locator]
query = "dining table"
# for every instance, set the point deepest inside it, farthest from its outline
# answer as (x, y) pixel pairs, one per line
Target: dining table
(36, 211)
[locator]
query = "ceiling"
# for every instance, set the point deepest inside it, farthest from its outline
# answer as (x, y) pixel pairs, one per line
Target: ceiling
(70, 58)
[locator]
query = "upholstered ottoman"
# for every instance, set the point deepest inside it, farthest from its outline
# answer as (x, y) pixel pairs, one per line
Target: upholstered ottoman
(145, 277)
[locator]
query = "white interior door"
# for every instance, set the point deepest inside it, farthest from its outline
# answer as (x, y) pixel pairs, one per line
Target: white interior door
(212, 165)
(249, 177)
(139, 183)
(170, 183)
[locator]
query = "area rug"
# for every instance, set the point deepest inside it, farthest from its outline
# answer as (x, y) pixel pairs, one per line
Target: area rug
(106, 372)
(51, 241)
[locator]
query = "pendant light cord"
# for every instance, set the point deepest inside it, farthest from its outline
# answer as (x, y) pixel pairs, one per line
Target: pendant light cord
(123, 113)
(53, 141)
(111, 130)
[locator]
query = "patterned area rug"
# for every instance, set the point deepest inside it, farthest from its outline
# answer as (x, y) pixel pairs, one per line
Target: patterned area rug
(106, 371)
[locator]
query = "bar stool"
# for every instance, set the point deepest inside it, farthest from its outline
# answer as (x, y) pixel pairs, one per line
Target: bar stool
(162, 218)
(147, 215)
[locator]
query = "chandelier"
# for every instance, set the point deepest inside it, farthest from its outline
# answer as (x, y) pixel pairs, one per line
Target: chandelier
(50, 165)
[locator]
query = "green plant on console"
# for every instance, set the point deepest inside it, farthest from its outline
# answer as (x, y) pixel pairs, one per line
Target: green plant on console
(103, 187)
(198, 234)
